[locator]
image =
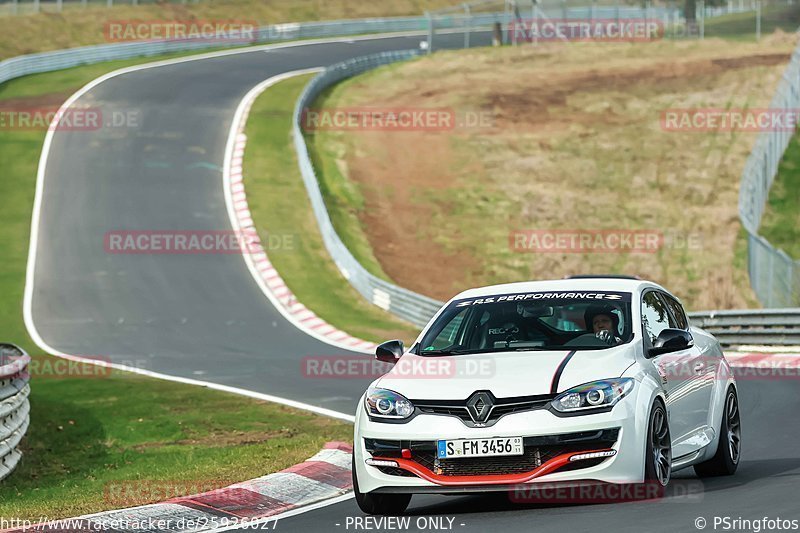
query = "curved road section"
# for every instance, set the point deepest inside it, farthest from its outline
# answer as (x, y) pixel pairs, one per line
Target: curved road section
(203, 316)
(159, 169)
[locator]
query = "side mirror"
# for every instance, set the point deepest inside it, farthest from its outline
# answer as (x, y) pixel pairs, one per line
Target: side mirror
(671, 340)
(389, 351)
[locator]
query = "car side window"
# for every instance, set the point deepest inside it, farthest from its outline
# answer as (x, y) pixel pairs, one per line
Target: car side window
(677, 312)
(655, 316)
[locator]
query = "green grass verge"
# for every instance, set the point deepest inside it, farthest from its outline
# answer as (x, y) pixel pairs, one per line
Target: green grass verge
(88, 433)
(280, 207)
(781, 222)
(122, 440)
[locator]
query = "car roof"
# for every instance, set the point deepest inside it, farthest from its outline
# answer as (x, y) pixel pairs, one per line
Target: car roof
(599, 283)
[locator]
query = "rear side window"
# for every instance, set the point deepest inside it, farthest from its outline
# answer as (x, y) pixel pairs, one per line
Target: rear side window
(655, 316)
(677, 312)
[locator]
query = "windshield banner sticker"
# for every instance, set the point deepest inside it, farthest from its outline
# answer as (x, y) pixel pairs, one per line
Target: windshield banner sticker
(606, 295)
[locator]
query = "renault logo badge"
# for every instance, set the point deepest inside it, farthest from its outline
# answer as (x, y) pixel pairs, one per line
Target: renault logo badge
(480, 406)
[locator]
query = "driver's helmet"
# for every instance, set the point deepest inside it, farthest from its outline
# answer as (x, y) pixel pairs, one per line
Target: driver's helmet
(601, 309)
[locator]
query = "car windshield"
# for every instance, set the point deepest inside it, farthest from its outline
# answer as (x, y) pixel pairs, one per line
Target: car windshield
(588, 320)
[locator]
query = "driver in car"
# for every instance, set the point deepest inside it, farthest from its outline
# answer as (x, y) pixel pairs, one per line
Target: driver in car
(603, 322)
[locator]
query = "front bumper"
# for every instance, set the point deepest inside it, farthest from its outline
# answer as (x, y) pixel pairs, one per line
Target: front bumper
(550, 442)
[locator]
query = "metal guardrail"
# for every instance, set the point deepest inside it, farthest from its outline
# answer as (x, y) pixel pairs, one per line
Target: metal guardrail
(14, 405)
(773, 327)
(774, 276)
(60, 59)
(406, 304)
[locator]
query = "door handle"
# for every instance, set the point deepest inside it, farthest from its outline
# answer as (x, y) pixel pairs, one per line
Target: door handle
(698, 367)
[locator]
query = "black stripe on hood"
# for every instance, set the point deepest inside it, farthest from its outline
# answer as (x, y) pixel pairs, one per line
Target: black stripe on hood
(559, 371)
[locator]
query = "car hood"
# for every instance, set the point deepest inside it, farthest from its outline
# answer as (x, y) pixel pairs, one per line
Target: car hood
(505, 374)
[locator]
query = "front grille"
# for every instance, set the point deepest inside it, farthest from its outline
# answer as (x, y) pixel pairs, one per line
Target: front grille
(531, 459)
(501, 407)
(537, 451)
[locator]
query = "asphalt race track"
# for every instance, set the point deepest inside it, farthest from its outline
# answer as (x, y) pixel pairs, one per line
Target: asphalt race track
(203, 316)
(195, 316)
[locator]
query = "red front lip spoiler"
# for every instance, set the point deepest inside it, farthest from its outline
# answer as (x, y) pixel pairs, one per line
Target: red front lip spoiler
(500, 479)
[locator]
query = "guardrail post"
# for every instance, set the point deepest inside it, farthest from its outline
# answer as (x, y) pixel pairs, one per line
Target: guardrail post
(534, 8)
(702, 19)
(429, 16)
(467, 24)
(507, 20)
(758, 20)
(36, 6)
(770, 281)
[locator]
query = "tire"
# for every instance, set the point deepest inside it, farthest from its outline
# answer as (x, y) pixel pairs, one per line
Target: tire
(658, 457)
(379, 504)
(729, 445)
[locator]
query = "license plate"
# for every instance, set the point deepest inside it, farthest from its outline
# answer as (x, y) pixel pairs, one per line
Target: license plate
(455, 449)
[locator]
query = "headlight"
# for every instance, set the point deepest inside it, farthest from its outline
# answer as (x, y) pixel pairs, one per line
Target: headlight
(594, 395)
(383, 403)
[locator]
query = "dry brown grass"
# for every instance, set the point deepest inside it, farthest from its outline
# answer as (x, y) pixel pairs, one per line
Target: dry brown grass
(76, 27)
(575, 143)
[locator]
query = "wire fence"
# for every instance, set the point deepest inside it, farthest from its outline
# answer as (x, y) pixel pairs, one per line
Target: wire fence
(513, 19)
(774, 276)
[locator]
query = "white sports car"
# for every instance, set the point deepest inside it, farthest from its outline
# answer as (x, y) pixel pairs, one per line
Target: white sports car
(587, 379)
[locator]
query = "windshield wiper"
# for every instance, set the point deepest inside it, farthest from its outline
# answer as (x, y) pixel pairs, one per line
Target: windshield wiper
(533, 349)
(446, 352)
